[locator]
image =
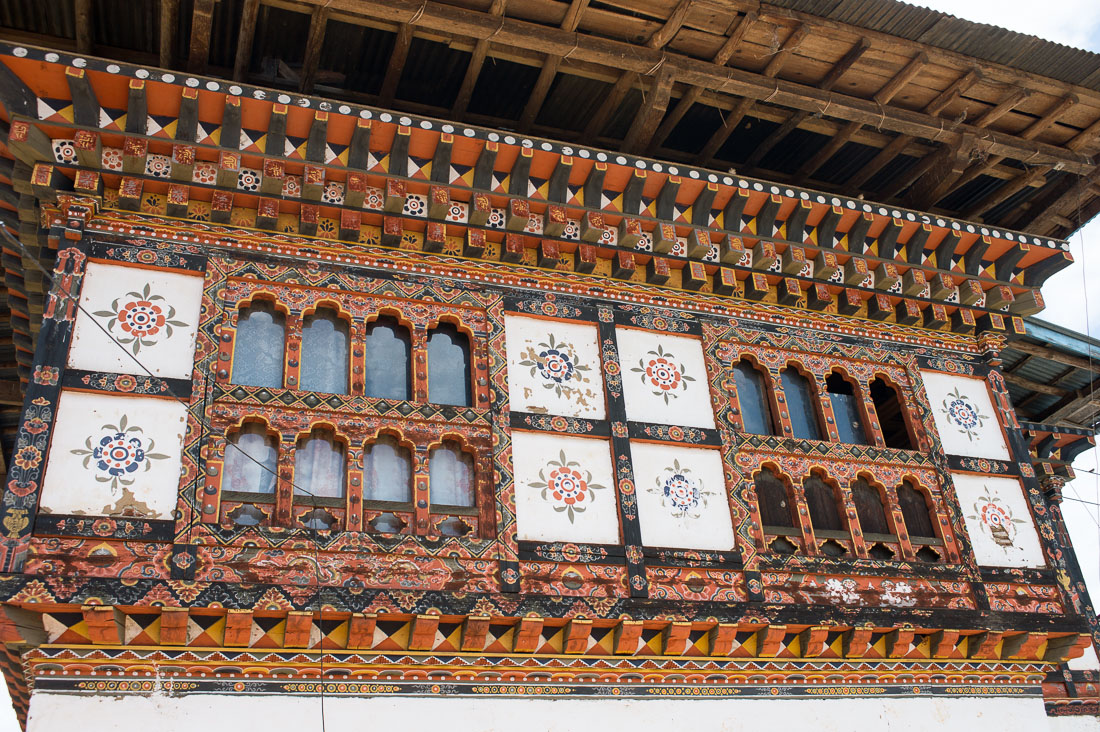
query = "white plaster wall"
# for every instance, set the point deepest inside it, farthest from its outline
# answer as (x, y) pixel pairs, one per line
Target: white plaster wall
(664, 378)
(53, 712)
(999, 521)
(964, 416)
(76, 484)
(554, 367)
(167, 349)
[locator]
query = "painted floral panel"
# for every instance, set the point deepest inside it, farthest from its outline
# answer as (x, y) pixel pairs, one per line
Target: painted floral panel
(554, 368)
(999, 521)
(114, 456)
(664, 379)
(964, 416)
(129, 313)
(682, 499)
(565, 489)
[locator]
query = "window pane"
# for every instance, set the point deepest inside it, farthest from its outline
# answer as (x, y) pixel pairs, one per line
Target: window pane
(387, 471)
(752, 398)
(325, 353)
(822, 504)
(890, 418)
(849, 423)
(771, 493)
(387, 345)
(448, 366)
(251, 465)
(800, 405)
(914, 509)
(319, 467)
(451, 476)
(869, 508)
(258, 347)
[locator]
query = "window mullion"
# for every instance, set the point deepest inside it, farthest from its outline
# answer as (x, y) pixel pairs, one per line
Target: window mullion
(420, 361)
(284, 489)
(353, 517)
(422, 505)
(357, 362)
(898, 520)
(292, 369)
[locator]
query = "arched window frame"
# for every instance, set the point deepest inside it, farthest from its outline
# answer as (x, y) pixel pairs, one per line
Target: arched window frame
(360, 468)
(338, 437)
(225, 495)
(841, 501)
(885, 501)
(230, 349)
(476, 479)
(360, 355)
(931, 505)
(793, 505)
(771, 404)
(903, 408)
(814, 398)
(354, 336)
(473, 350)
(858, 396)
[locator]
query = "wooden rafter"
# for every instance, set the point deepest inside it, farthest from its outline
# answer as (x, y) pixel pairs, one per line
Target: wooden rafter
(317, 24)
(550, 67)
(653, 109)
(249, 13)
(166, 34)
(1003, 107)
(958, 87)
(1051, 354)
(202, 20)
(397, 63)
(1060, 107)
(903, 77)
(83, 16)
(473, 69)
(1006, 191)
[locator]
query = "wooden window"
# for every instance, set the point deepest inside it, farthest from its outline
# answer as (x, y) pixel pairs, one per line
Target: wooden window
(774, 501)
(319, 466)
(800, 405)
(870, 508)
(849, 422)
(251, 461)
(387, 471)
(258, 346)
(325, 353)
(919, 521)
(821, 500)
(895, 432)
(450, 476)
(387, 362)
(752, 399)
(448, 366)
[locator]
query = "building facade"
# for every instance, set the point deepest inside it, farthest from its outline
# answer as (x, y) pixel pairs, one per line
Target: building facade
(373, 415)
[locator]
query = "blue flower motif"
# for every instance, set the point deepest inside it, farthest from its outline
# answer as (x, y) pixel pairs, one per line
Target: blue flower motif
(682, 492)
(555, 365)
(118, 454)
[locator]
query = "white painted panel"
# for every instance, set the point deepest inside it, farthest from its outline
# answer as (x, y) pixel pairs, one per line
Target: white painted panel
(998, 520)
(964, 415)
(664, 379)
(57, 712)
(114, 455)
(565, 488)
(154, 315)
(682, 500)
(554, 367)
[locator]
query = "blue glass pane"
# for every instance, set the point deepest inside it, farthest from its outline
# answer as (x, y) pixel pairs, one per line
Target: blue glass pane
(387, 472)
(848, 422)
(448, 367)
(250, 461)
(451, 476)
(387, 375)
(752, 399)
(325, 354)
(800, 405)
(319, 468)
(258, 347)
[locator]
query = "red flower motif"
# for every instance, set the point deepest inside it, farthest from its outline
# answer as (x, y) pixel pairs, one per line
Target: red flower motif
(141, 318)
(663, 374)
(567, 485)
(125, 383)
(36, 425)
(27, 457)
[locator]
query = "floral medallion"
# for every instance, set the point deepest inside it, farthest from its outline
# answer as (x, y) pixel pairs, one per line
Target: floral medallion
(556, 363)
(567, 485)
(143, 316)
(996, 519)
(962, 413)
(663, 374)
(681, 492)
(120, 451)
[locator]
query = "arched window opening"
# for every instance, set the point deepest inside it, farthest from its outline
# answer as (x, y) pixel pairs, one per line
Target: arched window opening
(258, 346)
(251, 461)
(849, 422)
(387, 471)
(869, 508)
(774, 500)
(821, 500)
(319, 466)
(448, 366)
(752, 398)
(800, 405)
(450, 476)
(890, 417)
(916, 512)
(387, 363)
(324, 353)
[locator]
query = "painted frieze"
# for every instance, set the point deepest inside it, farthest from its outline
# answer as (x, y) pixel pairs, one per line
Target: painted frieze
(114, 456)
(664, 379)
(152, 316)
(682, 499)
(564, 489)
(554, 368)
(964, 416)
(998, 520)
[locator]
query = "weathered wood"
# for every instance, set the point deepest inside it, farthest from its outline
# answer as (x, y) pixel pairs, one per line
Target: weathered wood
(1006, 191)
(550, 68)
(884, 156)
(318, 22)
(953, 92)
(397, 63)
(473, 69)
(1050, 117)
(82, 16)
(653, 109)
(837, 141)
(903, 77)
(1003, 107)
(1051, 354)
(202, 20)
(85, 103)
(166, 36)
(249, 13)
(137, 115)
(611, 102)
